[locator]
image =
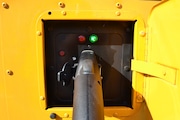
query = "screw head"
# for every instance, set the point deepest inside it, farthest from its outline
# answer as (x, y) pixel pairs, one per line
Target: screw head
(118, 5)
(61, 4)
(53, 115)
(139, 98)
(127, 68)
(5, 5)
(9, 72)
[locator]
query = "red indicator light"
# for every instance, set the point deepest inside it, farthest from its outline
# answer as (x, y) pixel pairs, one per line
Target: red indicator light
(61, 53)
(81, 39)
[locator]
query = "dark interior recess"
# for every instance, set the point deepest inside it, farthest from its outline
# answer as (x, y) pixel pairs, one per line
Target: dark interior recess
(113, 49)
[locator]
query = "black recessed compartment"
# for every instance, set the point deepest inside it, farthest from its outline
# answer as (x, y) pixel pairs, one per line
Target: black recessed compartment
(113, 49)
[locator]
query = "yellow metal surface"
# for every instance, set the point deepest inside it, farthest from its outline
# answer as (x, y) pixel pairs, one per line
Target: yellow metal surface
(161, 96)
(22, 88)
(155, 70)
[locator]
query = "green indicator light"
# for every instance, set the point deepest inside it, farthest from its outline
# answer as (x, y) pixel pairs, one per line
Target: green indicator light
(93, 38)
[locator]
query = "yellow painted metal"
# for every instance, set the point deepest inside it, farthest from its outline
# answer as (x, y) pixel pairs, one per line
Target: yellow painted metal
(22, 94)
(163, 97)
(156, 70)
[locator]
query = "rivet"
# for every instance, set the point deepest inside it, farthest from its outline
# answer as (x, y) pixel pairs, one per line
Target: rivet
(142, 33)
(63, 12)
(42, 98)
(38, 33)
(66, 115)
(5, 5)
(118, 13)
(115, 114)
(118, 5)
(164, 73)
(9, 72)
(61, 4)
